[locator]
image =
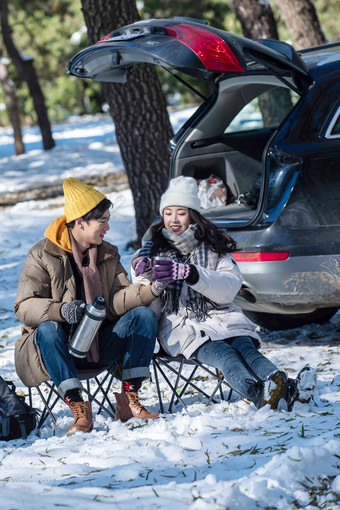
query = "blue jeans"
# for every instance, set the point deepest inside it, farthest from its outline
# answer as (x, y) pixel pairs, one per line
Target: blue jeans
(239, 361)
(131, 339)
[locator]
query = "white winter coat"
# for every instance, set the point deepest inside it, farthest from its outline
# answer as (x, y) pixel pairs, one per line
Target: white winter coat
(182, 334)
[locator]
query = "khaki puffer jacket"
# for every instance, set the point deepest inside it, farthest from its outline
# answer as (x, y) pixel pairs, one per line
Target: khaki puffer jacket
(47, 281)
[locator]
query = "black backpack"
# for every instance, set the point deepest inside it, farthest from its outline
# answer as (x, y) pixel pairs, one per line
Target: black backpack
(17, 419)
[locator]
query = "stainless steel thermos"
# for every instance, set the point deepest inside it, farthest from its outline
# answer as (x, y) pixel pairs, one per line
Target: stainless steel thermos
(80, 342)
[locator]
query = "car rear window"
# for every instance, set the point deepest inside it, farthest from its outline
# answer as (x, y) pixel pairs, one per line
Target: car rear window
(266, 110)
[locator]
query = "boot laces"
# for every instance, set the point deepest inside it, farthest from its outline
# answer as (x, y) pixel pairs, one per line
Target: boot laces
(134, 401)
(79, 410)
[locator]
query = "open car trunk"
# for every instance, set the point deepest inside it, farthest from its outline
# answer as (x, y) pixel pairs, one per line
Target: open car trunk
(235, 141)
(255, 85)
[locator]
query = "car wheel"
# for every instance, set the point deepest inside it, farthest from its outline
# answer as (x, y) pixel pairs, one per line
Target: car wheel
(275, 322)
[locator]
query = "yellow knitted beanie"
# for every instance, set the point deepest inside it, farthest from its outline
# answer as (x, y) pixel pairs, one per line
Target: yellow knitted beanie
(79, 198)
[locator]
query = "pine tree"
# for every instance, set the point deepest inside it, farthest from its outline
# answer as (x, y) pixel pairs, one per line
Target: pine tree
(139, 112)
(302, 22)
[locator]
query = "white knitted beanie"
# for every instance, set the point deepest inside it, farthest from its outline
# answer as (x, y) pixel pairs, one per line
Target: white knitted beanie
(182, 191)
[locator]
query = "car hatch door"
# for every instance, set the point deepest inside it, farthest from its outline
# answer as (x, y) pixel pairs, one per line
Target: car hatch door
(189, 46)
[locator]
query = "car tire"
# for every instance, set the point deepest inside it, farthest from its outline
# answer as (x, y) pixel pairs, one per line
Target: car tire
(275, 322)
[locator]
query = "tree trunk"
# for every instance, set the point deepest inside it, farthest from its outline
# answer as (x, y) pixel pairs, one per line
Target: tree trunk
(12, 107)
(27, 72)
(256, 18)
(138, 109)
(302, 22)
(258, 22)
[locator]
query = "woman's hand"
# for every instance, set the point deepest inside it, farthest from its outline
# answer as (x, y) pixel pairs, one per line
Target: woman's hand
(167, 270)
(141, 265)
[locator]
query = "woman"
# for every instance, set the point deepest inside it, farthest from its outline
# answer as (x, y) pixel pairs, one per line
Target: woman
(197, 281)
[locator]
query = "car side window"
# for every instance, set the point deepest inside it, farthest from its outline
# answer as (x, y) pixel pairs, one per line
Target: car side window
(336, 129)
(265, 111)
(333, 128)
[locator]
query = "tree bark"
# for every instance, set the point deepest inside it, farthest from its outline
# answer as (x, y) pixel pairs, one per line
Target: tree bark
(12, 107)
(256, 18)
(25, 67)
(258, 22)
(301, 19)
(139, 112)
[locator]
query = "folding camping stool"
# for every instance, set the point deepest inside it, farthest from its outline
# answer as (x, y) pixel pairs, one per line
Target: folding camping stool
(99, 395)
(162, 362)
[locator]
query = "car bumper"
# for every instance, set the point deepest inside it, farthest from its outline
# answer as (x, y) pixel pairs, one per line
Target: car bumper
(296, 285)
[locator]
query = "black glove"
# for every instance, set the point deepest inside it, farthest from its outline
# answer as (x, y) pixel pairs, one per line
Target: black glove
(73, 311)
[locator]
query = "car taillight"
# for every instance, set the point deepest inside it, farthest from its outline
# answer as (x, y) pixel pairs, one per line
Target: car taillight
(260, 256)
(210, 49)
(104, 39)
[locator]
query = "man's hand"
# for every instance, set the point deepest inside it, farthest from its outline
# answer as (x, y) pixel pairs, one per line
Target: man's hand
(158, 287)
(73, 311)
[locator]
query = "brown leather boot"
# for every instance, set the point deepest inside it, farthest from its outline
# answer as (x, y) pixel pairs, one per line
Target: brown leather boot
(82, 417)
(128, 406)
(275, 388)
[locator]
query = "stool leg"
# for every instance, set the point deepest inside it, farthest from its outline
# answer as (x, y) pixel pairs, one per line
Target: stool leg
(188, 382)
(220, 386)
(155, 367)
(176, 385)
(30, 397)
(47, 408)
(169, 383)
(104, 392)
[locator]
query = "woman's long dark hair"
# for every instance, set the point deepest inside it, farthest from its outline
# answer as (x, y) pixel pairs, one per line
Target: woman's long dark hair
(217, 240)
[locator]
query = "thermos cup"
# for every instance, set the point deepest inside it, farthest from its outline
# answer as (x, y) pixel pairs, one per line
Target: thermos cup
(80, 342)
(155, 259)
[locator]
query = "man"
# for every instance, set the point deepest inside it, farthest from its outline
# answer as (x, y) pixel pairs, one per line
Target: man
(72, 266)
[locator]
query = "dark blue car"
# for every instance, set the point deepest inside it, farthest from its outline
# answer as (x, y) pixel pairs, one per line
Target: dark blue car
(270, 130)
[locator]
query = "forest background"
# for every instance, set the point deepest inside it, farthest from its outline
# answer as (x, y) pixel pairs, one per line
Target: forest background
(40, 36)
(52, 31)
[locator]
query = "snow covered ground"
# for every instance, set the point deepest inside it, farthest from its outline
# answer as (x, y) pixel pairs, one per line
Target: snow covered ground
(223, 456)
